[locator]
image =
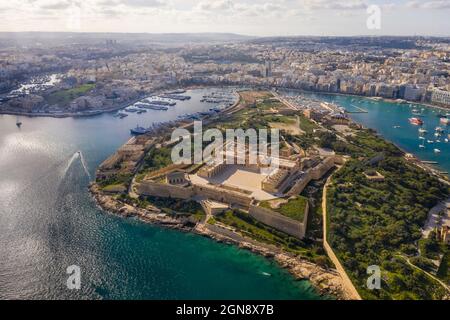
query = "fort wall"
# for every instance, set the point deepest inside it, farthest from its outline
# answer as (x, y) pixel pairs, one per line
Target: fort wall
(150, 188)
(280, 222)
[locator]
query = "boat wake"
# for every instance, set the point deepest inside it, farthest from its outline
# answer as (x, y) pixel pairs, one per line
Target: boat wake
(77, 155)
(84, 164)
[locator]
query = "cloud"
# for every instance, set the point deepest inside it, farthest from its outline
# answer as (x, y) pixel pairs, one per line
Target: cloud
(143, 3)
(334, 4)
(441, 4)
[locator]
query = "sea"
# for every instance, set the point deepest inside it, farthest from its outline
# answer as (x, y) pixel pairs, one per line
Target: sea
(49, 222)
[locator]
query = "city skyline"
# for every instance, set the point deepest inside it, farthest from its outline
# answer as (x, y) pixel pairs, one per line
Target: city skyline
(253, 18)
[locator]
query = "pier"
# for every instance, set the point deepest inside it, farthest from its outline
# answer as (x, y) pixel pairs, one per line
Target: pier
(358, 110)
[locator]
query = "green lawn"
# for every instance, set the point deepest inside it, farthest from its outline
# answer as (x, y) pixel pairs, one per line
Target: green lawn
(294, 208)
(64, 97)
(306, 124)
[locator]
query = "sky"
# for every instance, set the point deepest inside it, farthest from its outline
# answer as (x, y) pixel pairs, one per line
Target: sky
(247, 17)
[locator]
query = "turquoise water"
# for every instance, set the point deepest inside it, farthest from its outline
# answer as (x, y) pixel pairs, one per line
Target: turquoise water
(383, 116)
(48, 222)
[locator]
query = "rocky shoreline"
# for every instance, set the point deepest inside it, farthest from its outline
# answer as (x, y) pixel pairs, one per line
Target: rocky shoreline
(326, 281)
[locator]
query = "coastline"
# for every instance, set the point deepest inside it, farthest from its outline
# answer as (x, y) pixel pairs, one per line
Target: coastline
(373, 98)
(327, 282)
(126, 104)
(72, 115)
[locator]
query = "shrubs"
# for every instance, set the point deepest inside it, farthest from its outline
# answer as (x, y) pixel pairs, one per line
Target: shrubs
(371, 223)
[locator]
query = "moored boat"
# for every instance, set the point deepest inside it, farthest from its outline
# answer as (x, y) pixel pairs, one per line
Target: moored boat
(416, 121)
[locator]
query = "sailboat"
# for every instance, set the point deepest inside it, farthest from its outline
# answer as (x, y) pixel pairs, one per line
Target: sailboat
(18, 122)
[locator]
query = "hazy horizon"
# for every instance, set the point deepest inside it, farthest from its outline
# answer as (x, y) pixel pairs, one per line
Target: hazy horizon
(255, 18)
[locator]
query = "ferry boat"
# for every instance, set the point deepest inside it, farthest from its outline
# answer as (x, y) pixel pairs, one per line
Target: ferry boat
(416, 121)
(138, 130)
(155, 107)
(161, 102)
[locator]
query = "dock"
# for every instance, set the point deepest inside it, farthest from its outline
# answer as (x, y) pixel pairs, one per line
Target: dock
(358, 110)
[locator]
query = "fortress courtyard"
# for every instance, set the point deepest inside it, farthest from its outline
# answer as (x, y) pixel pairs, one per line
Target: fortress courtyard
(237, 177)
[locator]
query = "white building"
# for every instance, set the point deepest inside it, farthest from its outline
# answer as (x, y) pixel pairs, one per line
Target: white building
(441, 97)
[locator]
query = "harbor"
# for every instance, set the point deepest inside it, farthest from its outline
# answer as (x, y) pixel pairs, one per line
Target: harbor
(420, 130)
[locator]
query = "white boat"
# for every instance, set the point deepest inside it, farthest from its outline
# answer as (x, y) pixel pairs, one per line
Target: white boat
(437, 151)
(422, 130)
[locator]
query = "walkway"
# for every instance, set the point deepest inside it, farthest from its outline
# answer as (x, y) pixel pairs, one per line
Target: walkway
(348, 285)
(427, 273)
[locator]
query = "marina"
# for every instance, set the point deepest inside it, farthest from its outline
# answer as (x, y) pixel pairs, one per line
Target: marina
(419, 139)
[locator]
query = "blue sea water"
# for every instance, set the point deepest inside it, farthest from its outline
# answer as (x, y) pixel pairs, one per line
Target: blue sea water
(48, 222)
(391, 121)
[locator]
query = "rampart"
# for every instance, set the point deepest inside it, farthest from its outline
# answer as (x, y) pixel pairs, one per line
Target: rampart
(280, 222)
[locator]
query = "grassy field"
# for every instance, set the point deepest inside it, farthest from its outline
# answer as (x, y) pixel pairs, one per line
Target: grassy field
(294, 208)
(64, 97)
(307, 125)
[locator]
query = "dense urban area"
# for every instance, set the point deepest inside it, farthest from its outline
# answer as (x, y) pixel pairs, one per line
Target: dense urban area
(79, 75)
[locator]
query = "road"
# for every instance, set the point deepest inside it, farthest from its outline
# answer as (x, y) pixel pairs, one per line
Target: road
(350, 288)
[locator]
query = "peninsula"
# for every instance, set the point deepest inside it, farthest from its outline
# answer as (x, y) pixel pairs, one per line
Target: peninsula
(279, 215)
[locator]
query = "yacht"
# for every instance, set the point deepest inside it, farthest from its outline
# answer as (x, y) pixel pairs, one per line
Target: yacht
(422, 130)
(416, 121)
(444, 121)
